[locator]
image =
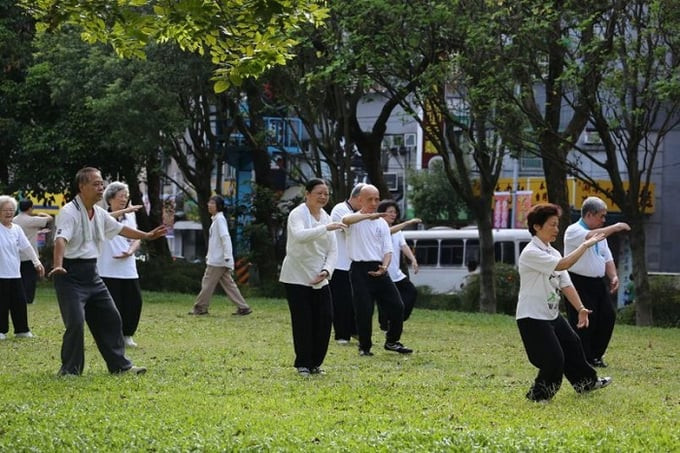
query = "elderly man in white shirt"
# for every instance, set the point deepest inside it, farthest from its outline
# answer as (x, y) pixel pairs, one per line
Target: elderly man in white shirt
(588, 275)
(219, 264)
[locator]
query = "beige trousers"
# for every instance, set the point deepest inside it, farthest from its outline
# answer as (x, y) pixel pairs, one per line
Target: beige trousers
(212, 276)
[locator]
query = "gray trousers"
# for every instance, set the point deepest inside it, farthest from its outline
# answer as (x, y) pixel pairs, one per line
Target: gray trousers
(83, 297)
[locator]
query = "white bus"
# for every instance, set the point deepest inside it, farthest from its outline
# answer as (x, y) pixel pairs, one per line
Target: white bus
(443, 254)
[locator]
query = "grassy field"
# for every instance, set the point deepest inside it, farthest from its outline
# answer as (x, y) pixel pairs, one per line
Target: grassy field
(226, 383)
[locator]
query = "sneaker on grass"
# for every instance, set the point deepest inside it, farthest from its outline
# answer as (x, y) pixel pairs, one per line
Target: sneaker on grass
(398, 347)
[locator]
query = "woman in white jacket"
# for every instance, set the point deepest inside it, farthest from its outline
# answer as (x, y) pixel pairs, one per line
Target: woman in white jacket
(311, 253)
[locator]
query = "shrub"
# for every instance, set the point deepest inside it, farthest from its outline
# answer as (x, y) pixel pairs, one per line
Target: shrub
(171, 276)
(665, 296)
(507, 290)
(429, 300)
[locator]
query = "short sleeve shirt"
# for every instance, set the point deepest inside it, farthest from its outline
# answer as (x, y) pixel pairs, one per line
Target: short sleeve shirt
(124, 268)
(69, 227)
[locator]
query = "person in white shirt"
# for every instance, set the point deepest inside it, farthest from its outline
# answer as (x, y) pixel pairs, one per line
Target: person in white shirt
(311, 254)
(551, 344)
(32, 224)
(369, 246)
(82, 227)
(13, 242)
(344, 323)
(588, 276)
(117, 265)
(219, 264)
(407, 289)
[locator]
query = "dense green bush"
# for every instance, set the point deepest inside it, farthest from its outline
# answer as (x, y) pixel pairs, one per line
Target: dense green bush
(172, 276)
(665, 296)
(429, 300)
(507, 289)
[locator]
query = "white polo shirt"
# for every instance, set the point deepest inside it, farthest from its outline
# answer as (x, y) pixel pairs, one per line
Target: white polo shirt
(110, 267)
(369, 240)
(398, 241)
(68, 224)
(592, 262)
(339, 211)
(310, 248)
(12, 241)
(539, 282)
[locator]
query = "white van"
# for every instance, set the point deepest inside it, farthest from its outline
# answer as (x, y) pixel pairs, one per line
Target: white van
(443, 254)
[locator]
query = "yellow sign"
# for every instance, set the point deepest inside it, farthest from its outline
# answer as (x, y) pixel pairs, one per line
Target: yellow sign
(49, 204)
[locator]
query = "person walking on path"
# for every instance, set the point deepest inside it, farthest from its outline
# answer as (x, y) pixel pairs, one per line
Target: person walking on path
(588, 275)
(311, 253)
(31, 224)
(13, 242)
(551, 344)
(82, 228)
(219, 264)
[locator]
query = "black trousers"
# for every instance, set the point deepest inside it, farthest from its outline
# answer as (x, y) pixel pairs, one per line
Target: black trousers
(344, 323)
(310, 316)
(127, 295)
(29, 278)
(12, 302)
(554, 348)
(83, 297)
(369, 290)
(595, 296)
(409, 294)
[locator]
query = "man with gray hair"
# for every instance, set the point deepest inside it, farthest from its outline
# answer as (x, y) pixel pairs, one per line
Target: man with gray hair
(588, 276)
(344, 323)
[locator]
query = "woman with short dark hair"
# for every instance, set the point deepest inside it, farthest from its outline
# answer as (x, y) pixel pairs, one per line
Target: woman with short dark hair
(551, 344)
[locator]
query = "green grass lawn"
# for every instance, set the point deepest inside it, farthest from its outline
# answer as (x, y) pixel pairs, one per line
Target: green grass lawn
(224, 383)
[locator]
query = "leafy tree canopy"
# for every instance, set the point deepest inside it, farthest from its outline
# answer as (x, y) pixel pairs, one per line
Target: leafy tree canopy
(243, 37)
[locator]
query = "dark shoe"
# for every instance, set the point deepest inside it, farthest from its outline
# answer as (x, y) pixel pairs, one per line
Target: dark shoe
(317, 370)
(197, 313)
(242, 312)
(398, 347)
(599, 363)
(133, 370)
(601, 383)
(365, 353)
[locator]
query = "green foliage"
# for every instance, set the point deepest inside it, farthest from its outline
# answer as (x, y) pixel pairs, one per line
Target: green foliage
(227, 383)
(664, 292)
(433, 199)
(507, 290)
(175, 276)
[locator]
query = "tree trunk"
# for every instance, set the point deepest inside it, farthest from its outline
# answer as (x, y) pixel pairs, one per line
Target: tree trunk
(643, 300)
(555, 169)
(487, 272)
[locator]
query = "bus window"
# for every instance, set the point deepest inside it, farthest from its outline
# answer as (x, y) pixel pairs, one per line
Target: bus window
(452, 252)
(471, 251)
(426, 252)
(505, 252)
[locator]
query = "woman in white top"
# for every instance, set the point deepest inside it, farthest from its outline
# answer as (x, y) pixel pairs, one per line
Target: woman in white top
(117, 265)
(311, 253)
(551, 344)
(407, 290)
(13, 241)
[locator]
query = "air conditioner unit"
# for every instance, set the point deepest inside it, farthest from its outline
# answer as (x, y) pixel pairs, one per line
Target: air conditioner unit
(592, 138)
(392, 181)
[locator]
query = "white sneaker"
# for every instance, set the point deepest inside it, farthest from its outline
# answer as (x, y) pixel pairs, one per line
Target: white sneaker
(3, 336)
(342, 341)
(129, 342)
(28, 334)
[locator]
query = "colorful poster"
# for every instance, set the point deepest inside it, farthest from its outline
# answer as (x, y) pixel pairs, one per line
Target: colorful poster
(523, 205)
(501, 208)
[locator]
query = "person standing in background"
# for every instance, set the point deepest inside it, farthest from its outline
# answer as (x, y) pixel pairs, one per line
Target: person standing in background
(13, 241)
(344, 323)
(117, 265)
(588, 275)
(31, 224)
(219, 264)
(311, 253)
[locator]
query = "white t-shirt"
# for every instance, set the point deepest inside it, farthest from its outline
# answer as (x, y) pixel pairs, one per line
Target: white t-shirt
(110, 267)
(592, 262)
(539, 282)
(219, 243)
(12, 241)
(31, 224)
(369, 240)
(398, 241)
(339, 211)
(69, 226)
(310, 248)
